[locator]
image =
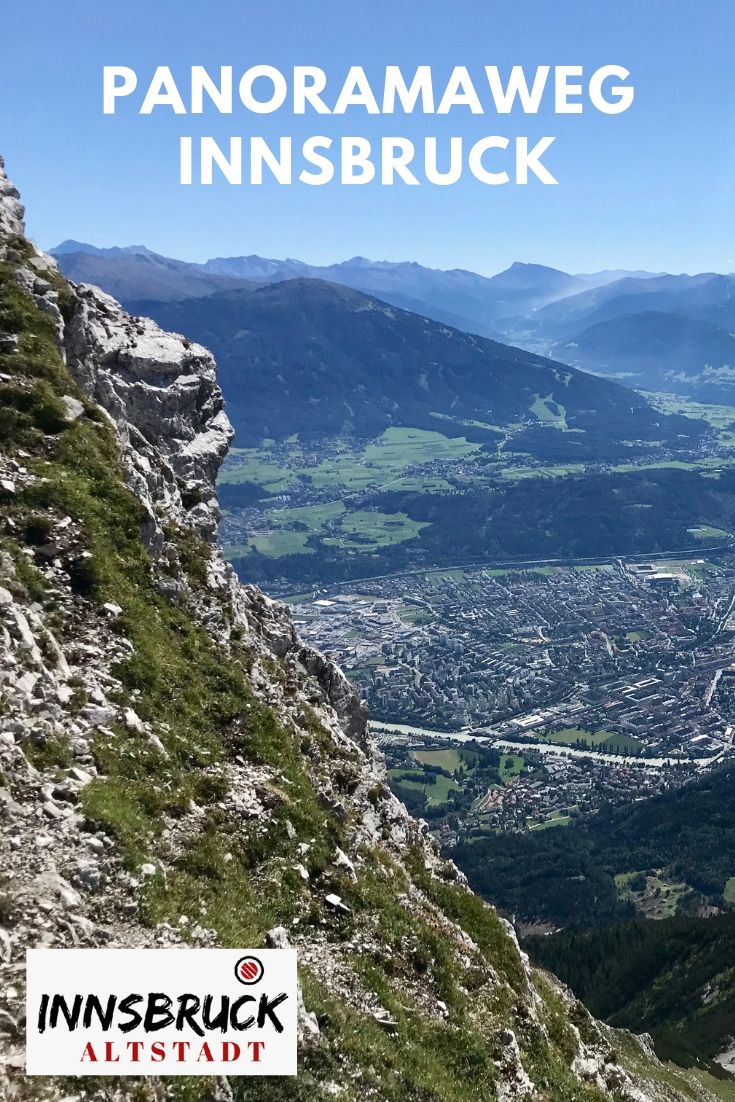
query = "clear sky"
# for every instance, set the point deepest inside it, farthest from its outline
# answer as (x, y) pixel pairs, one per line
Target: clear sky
(650, 188)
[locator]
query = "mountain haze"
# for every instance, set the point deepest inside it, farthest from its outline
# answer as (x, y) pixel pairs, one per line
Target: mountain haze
(459, 298)
(658, 351)
(137, 270)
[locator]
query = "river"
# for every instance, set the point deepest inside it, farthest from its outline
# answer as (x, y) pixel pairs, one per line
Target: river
(541, 747)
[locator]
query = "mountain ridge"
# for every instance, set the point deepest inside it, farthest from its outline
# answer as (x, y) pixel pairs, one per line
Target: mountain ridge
(316, 357)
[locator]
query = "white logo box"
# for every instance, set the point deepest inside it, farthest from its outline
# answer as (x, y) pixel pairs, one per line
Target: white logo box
(161, 1012)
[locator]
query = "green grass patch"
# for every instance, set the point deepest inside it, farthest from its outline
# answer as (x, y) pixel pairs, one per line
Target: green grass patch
(447, 759)
(556, 820)
(437, 793)
(549, 411)
(365, 530)
(599, 740)
(706, 532)
(511, 765)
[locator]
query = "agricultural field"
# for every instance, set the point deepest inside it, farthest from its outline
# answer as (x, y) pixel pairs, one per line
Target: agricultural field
(366, 530)
(258, 466)
(557, 819)
(288, 530)
(548, 411)
(558, 470)
(721, 418)
(351, 468)
(436, 793)
(449, 759)
(707, 532)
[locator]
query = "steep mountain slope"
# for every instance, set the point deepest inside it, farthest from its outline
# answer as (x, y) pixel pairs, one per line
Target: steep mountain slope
(311, 357)
(658, 351)
(674, 978)
(178, 768)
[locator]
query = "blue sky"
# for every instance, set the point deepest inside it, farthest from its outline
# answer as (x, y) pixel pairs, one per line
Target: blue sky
(652, 187)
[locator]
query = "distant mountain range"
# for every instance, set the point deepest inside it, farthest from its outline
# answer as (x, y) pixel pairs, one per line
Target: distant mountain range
(456, 297)
(137, 272)
(654, 331)
(463, 299)
(630, 296)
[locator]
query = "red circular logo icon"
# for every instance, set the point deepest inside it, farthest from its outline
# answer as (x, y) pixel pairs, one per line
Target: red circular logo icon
(249, 970)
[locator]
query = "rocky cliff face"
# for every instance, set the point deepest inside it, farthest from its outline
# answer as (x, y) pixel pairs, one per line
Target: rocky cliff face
(178, 768)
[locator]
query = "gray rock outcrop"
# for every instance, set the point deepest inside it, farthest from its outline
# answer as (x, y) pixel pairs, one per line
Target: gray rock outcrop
(12, 212)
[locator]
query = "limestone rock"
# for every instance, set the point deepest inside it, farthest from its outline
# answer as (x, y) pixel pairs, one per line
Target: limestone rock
(12, 211)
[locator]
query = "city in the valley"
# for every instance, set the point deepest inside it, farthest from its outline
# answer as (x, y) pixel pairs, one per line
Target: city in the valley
(522, 699)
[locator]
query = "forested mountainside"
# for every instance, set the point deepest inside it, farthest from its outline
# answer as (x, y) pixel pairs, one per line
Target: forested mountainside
(597, 883)
(675, 975)
(178, 768)
(314, 358)
(569, 878)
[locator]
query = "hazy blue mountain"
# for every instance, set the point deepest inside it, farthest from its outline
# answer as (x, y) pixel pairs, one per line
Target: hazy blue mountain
(670, 293)
(465, 299)
(657, 351)
(71, 246)
(610, 275)
(135, 272)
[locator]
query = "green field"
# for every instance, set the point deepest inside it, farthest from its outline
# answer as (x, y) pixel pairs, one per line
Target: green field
(314, 517)
(511, 765)
(729, 891)
(274, 545)
(721, 418)
(600, 740)
(435, 793)
(447, 759)
(381, 464)
(549, 411)
(557, 471)
(254, 465)
(558, 819)
(364, 530)
(707, 532)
